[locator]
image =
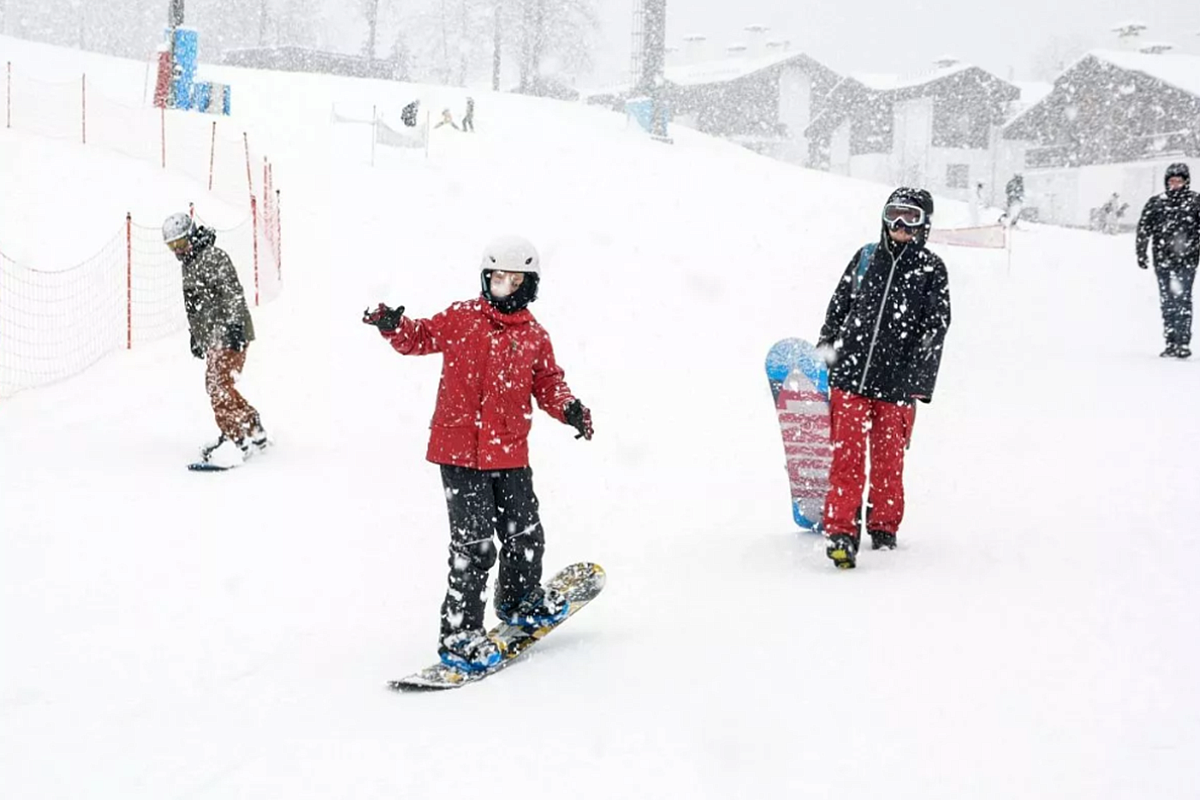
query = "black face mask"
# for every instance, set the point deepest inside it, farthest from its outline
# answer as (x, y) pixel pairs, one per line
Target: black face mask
(525, 294)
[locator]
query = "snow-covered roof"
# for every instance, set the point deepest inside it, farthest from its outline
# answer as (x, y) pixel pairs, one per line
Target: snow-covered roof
(887, 83)
(1177, 69)
(726, 69)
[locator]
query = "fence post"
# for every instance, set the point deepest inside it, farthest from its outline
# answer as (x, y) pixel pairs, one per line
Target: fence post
(212, 154)
(278, 240)
(84, 116)
(254, 228)
(128, 281)
(249, 177)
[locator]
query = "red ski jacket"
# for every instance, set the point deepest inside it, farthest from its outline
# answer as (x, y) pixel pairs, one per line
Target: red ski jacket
(492, 364)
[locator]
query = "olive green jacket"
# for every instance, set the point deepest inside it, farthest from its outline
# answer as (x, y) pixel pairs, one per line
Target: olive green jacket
(218, 316)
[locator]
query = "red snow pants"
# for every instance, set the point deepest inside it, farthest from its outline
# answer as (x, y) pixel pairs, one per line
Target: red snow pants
(857, 422)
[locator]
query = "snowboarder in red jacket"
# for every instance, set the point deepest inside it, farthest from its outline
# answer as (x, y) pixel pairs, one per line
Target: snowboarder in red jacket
(496, 360)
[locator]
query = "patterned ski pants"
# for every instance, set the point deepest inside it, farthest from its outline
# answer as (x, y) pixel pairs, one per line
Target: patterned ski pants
(235, 416)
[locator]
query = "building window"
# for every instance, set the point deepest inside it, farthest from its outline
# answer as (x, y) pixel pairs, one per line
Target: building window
(957, 176)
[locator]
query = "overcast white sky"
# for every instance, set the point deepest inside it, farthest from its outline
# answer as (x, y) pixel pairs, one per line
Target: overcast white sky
(905, 35)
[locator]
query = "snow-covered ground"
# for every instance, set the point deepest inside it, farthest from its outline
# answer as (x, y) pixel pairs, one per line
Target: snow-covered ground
(174, 635)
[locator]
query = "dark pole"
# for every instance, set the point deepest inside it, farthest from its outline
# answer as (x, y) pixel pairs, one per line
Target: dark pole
(372, 19)
(654, 44)
(496, 52)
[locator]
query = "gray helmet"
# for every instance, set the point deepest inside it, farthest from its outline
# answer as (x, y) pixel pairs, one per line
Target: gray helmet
(177, 226)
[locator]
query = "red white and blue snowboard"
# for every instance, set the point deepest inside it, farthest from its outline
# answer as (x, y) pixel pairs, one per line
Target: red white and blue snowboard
(799, 383)
(580, 583)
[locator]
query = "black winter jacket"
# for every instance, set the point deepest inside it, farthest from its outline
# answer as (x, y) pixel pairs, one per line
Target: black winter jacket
(1172, 221)
(888, 332)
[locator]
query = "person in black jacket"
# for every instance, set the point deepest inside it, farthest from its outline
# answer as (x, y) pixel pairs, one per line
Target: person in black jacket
(1172, 221)
(882, 337)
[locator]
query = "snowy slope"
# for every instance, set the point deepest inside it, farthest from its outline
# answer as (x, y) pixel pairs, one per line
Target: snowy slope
(171, 635)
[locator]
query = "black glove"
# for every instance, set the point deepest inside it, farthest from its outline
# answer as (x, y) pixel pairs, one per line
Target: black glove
(579, 417)
(235, 338)
(384, 318)
(197, 350)
(1143, 261)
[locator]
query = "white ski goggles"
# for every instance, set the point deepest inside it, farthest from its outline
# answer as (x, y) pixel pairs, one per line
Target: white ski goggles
(897, 214)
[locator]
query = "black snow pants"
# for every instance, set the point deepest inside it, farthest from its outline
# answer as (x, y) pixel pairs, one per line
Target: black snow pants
(483, 504)
(1175, 296)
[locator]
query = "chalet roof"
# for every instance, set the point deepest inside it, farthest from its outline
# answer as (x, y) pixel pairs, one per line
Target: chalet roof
(1176, 69)
(1181, 72)
(730, 69)
(891, 83)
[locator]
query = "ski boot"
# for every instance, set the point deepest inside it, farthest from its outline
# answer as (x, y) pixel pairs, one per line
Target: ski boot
(469, 650)
(540, 608)
(842, 550)
(1183, 351)
(1171, 352)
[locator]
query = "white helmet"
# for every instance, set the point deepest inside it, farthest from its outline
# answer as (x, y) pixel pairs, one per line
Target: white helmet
(511, 254)
(177, 226)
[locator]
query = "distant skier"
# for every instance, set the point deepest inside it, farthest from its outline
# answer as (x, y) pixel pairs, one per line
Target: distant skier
(1171, 221)
(496, 358)
(883, 337)
(221, 331)
(447, 119)
(408, 114)
(976, 203)
(468, 120)
(1014, 194)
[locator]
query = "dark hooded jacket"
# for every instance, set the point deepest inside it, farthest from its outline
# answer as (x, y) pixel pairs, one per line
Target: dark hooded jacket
(212, 296)
(1171, 221)
(888, 330)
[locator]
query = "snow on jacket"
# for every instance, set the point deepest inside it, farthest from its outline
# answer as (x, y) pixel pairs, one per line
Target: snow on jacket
(212, 294)
(492, 365)
(1172, 221)
(888, 331)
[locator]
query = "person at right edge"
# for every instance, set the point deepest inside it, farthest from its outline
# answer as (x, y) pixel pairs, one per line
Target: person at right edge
(882, 338)
(1172, 221)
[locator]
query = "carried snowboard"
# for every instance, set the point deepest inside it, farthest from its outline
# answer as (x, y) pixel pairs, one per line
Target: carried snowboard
(580, 583)
(799, 383)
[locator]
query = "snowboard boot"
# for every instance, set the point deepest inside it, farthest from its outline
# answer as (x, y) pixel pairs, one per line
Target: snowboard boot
(882, 540)
(539, 608)
(258, 435)
(842, 550)
(469, 650)
(227, 452)
(207, 449)
(1183, 351)
(1171, 352)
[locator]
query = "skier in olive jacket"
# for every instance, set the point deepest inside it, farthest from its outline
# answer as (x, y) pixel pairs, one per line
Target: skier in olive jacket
(221, 331)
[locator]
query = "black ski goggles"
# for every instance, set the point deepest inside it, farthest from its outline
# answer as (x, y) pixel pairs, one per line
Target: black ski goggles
(897, 215)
